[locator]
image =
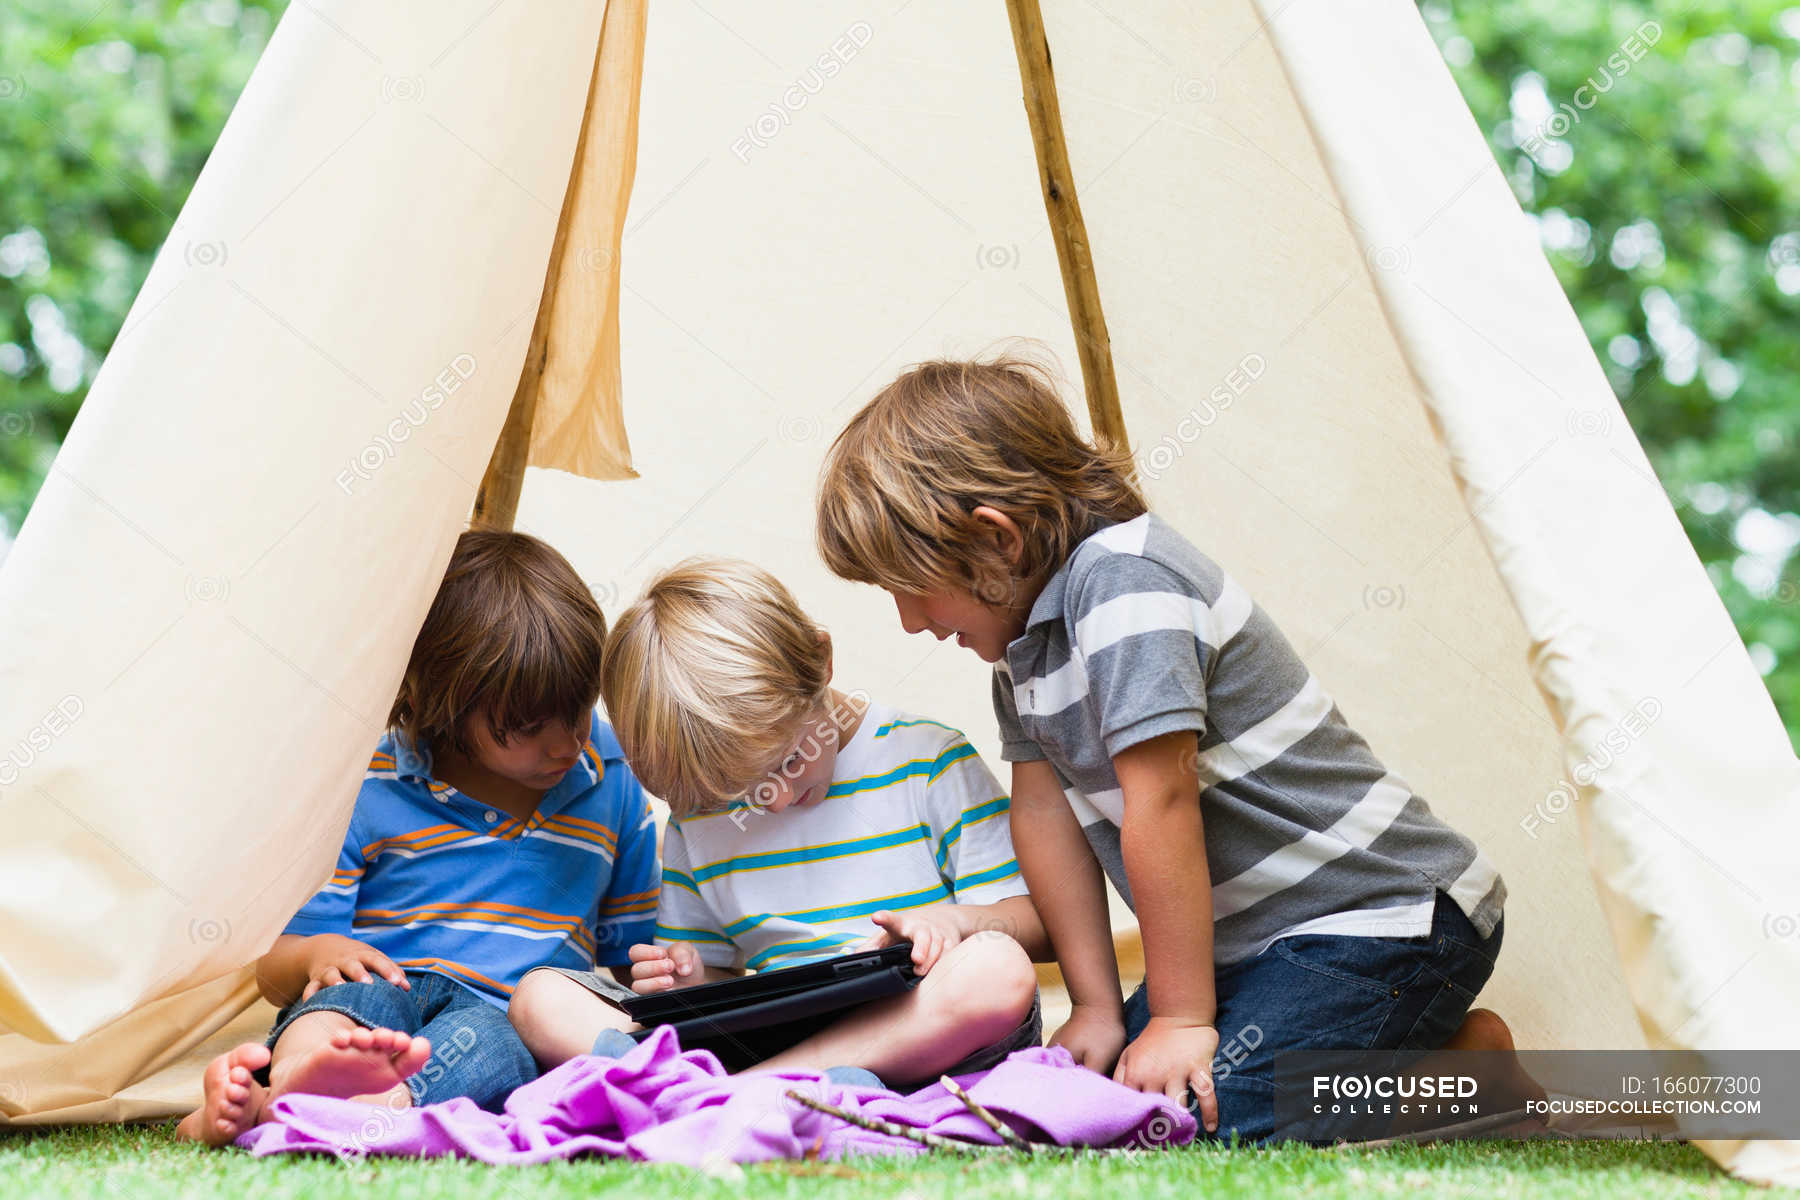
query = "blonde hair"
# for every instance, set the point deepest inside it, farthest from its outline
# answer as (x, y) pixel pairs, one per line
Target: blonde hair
(901, 483)
(514, 633)
(707, 678)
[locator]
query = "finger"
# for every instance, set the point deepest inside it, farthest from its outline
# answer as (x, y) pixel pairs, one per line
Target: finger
(356, 972)
(312, 985)
(887, 921)
(656, 969)
(644, 951)
(388, 969)
(1208, 1098)
(649, 987)
(329, 977)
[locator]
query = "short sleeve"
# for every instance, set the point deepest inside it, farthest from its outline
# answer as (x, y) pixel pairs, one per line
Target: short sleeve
(1015, 746)
(332, 906)
(1139, 632)
(968, 817)
(683, 915)
(627, 913)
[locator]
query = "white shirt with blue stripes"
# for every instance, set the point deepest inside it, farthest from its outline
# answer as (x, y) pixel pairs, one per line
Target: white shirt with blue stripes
(912, 817)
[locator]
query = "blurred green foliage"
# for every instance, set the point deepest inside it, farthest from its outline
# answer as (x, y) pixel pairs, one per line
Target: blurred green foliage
(1667, 194)
(107, 112)
(1659, 150)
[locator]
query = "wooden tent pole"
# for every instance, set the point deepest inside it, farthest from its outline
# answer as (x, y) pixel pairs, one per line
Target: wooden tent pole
(1080, 287)
(497, 499)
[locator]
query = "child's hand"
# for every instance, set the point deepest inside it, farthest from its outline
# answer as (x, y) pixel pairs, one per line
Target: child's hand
(1092, 1037)
(333, 959)
(933, 931)
(1171, 1056)
(660, 968)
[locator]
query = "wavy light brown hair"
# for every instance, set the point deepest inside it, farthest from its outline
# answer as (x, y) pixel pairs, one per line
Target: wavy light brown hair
(708, 678)
(513, 632)
(901, 483)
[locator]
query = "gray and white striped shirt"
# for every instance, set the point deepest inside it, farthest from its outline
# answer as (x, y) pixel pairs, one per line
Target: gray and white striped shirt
(1138, 635)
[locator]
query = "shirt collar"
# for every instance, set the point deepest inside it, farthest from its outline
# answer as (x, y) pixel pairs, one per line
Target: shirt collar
(413, 763)
(1050, 601)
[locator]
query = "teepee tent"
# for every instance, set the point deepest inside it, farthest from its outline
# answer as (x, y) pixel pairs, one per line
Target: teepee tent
(1266, 238)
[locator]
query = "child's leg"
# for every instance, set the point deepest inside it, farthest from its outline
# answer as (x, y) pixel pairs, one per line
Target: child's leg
(558, 1018)
(1321, 992)
(338, 1043)
(475, 1053)
(329, 1054)
(976, 994)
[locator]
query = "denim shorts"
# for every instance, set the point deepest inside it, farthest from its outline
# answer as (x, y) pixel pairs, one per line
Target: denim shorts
(474, 1050)
(1330, 992)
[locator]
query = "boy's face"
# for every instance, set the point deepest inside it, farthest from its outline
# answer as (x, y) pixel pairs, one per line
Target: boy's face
(979, 627)
(535, 757)
(799, 779)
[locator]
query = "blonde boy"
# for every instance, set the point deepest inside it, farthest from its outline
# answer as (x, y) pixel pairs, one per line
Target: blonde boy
(1293, 893)
(805, 822)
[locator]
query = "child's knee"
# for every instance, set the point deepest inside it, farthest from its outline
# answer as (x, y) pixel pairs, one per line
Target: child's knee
(374, 1004)
(475, 1052)
(989, 979)
(534, 1003)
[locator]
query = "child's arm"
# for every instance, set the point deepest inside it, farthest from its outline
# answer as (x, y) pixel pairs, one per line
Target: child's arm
(934, 929)
(658, 968)
(316, 949)
(1165, 858)
(967, 812)
(296, 966)
(1070, 894)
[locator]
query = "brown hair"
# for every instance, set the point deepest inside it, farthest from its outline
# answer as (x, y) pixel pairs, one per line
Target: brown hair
(707, 679)
(901, 483)
(513, 631)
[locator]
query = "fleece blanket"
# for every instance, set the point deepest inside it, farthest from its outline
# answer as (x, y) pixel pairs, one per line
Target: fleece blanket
(662, 1104)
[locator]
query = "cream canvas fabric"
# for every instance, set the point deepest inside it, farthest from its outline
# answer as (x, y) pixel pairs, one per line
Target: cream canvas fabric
(211, 603)
(1347, 371)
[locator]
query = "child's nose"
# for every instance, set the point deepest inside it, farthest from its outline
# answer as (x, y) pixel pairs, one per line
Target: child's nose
(911, 619)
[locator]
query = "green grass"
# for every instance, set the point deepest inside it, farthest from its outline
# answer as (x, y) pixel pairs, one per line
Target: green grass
(145, 1162)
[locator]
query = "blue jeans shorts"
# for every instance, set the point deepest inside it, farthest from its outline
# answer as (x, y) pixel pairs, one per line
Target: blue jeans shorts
(1329, 992)
(474, 1049)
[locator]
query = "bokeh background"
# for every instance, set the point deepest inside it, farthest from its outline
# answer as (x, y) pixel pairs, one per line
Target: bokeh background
(1671, 213)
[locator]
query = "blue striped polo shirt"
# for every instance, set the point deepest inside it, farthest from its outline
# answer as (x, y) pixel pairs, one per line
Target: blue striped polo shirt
(438, 881)
(912, 817)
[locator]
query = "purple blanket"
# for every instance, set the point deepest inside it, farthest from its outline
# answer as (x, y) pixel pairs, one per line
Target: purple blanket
(662, 1104)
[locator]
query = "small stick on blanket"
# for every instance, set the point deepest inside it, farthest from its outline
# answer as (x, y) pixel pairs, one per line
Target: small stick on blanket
(877, 1125)
(1007, 1133)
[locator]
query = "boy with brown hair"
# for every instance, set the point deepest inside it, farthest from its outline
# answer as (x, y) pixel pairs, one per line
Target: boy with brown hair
(1161, 728)
(497, 829)
(805, 822)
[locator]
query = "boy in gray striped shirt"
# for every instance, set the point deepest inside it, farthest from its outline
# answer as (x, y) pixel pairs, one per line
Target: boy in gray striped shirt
(1293, 893)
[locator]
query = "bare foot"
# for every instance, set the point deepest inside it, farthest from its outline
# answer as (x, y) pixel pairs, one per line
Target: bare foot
(233, 1100)
(351, 1063)
(1482, 1029)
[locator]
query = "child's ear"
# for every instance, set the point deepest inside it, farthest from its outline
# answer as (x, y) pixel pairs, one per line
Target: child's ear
(1008, 539)
(825, 644)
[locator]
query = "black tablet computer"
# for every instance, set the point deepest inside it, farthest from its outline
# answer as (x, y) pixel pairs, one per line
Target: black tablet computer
(712, 1000)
